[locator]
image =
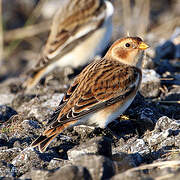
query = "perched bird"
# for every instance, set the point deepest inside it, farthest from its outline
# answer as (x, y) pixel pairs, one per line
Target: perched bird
(101, 92)
(81, 29)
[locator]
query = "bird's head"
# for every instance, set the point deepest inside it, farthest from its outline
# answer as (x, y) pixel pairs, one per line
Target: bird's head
(128, 50)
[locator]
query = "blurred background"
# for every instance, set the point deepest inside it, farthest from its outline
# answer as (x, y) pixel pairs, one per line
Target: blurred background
(24, 27)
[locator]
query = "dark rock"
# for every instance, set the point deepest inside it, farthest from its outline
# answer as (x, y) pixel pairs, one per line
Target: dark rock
(166, 50)
(71, 172)
(96, 146)
(177, 53)
(150, 84)
(100, 167)
(173, 94)
(6, 113)
(3, 139)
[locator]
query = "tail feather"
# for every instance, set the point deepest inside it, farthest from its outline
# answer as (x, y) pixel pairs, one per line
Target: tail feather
(33, 79)
(44, 144)
(44, 140)
(37, 141)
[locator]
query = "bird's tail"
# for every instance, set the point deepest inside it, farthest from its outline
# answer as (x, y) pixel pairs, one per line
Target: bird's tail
(32, 79)
(48, 135)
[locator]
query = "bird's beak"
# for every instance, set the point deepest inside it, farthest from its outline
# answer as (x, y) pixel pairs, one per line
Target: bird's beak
(143, 46)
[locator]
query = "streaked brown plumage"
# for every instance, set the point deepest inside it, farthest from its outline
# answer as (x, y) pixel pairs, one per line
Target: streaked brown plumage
(81, 29)
(101, 92)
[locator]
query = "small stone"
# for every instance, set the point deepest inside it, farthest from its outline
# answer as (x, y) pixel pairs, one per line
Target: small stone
(140, 147)
(5, 172)
(57, 163)
(29, 124)
(100, 167)
(53, 102)
(6, 113)
(150, 83)
(97, 146)
(163, 123)
(169, 141)
(39, 112)
(177, 140)
(158, 137)
(9, 154)
(71, 172)
(83, 130)
(27, 159)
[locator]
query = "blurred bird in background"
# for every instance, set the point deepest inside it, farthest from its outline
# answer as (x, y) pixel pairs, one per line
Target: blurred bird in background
(81, 29)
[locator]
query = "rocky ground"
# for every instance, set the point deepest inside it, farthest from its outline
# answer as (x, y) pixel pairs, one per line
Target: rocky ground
(145, 143)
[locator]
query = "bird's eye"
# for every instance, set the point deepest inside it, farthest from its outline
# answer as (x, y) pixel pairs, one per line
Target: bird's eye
(127, 45)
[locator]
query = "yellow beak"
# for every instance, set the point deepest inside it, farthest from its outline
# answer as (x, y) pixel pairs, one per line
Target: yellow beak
(143, 46)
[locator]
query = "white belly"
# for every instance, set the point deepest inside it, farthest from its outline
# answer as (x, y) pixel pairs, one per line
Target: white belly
(102, 118)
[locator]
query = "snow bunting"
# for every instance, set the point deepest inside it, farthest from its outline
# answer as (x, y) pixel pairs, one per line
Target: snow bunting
(101, 92)
(81, 29)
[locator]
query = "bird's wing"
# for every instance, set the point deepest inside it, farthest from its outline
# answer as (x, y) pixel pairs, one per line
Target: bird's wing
(74, 21)
(99, 85)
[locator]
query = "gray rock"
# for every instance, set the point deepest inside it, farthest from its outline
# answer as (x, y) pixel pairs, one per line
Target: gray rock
(140, 147)
(83, 130)
(37, 174)
(100, 167)
(30, 124)
(97, 146)
(150, 83)
(9, 154)
(27, 159)
(58, 163)
(6, 98)
(158, 137)
(177, 140)
(40, 174)
(71, 172)
(124, 161)
(165, 123)
(52, 101)
(124, 146)
(5, 171)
